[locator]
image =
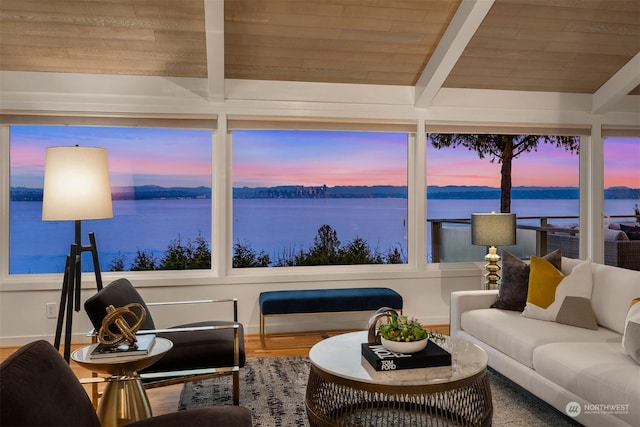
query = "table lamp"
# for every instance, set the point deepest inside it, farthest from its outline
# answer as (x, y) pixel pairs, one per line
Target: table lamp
(76, 187)
(493, 229)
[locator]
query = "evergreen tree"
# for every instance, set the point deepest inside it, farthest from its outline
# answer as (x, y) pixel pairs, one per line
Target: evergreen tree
(194, 255)
(395, 256)
(143, 261)
(176, 257)
(200, 253)
(117, 264)
(357, 251)
(324, 250)
(244, 256)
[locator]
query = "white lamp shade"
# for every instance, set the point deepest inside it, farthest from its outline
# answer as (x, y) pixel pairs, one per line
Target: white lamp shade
(493, 229)
(76, 184)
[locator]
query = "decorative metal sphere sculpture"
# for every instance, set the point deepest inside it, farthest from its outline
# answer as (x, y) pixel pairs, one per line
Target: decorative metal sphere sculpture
(120, 319)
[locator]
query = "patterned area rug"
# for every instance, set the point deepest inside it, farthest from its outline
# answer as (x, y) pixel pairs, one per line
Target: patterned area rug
(274, 389)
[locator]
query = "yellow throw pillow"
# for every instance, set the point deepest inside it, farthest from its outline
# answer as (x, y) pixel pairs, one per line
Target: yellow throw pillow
(544, 278)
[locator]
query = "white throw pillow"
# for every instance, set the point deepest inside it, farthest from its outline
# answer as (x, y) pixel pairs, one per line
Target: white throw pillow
(567, 299)
(631, 337)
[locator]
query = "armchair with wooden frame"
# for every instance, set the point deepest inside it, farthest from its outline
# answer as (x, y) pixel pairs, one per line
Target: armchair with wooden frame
(200, 350)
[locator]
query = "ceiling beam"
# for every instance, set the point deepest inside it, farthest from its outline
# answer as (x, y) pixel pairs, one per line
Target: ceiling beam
(214, 30)
(618, 86)
(463, 26)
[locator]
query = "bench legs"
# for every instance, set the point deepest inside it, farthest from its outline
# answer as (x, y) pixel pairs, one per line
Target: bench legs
(263, 335)
(262, 340)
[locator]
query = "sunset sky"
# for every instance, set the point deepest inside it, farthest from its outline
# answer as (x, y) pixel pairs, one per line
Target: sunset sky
(174, 157)
(267, 158)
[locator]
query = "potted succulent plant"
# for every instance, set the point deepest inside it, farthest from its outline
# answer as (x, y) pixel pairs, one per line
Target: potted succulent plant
(402, 334)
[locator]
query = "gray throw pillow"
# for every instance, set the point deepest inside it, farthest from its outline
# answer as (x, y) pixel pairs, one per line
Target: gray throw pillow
(512, 294)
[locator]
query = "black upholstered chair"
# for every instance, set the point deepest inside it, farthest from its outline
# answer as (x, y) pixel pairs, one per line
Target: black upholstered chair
(200, 350)
(38, 388)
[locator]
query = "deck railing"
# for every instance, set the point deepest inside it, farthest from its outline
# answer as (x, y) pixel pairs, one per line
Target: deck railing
(450, 244)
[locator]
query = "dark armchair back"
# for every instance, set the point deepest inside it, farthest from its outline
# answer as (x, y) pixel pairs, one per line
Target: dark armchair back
(37, 388)
(118, 293)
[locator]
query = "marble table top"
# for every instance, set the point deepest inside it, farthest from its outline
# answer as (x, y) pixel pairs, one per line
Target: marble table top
(121, 365)
(341, 356)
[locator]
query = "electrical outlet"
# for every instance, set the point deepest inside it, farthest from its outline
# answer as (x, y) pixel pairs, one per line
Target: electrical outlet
(52, 310)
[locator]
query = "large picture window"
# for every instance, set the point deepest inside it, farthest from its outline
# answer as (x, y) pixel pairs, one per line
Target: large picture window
(467, 173)
(319, 197)
(161, 189)
(622, 201)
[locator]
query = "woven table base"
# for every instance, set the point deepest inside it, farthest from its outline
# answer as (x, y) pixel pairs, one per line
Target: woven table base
(336, 401)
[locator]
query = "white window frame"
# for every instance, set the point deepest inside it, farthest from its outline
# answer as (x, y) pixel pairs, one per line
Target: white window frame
(243, 122)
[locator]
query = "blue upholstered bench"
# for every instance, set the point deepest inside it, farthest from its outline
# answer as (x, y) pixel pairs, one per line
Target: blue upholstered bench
(322, 301)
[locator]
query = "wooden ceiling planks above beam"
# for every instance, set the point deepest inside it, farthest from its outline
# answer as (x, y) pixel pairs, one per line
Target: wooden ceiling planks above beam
(527, 45)
(549, 45)
(145, 37)
(334, 41)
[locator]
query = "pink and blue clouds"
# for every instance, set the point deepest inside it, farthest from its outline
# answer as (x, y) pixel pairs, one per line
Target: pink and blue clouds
(269, 158)
(137, 156)
(622, 162)
(177, 157)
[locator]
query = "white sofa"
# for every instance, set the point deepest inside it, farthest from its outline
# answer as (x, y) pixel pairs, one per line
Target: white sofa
(562, 364)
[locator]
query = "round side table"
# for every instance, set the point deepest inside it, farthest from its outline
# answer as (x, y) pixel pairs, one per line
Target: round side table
(124, 399)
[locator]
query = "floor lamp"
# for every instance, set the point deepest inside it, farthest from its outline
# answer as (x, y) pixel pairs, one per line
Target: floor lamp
(492, 229)
(76, 187)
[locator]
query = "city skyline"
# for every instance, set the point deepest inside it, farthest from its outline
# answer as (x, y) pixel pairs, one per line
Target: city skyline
(144, 156)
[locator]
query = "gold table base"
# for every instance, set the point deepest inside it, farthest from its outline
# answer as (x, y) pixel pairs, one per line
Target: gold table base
(336, 401)
(123, 401)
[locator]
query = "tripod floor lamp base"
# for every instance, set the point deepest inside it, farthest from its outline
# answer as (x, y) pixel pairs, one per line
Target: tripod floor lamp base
(71, 288)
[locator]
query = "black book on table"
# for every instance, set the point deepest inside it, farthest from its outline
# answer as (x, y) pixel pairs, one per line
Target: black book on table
(142, 347)
(384, 360)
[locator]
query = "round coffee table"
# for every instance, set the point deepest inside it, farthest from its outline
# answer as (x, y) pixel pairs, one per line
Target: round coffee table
(124, 399)
(345, 390)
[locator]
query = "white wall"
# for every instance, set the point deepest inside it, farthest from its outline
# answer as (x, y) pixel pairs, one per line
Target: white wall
(425, 288)
(426, 296)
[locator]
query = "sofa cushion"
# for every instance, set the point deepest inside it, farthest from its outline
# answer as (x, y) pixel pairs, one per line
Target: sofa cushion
(517, 336)
(631, 336)
(612, 234)
(600, 373)
(613, 289)
(632, 232)
(512, 294)
(555, 297)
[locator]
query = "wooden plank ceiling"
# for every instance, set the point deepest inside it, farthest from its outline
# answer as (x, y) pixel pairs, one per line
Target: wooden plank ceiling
(530, 45)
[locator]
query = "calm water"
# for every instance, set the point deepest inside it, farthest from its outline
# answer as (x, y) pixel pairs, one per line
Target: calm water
(269, 225)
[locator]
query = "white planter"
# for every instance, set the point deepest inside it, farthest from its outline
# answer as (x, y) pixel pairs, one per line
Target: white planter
(403, 346)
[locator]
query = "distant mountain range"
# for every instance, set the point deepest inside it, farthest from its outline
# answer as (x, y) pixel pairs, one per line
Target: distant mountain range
(143, 192)
(154, 192)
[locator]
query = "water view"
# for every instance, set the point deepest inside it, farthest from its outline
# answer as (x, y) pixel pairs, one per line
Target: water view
(269, 225)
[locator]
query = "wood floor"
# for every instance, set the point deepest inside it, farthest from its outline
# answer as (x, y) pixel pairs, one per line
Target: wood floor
(165, 399)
